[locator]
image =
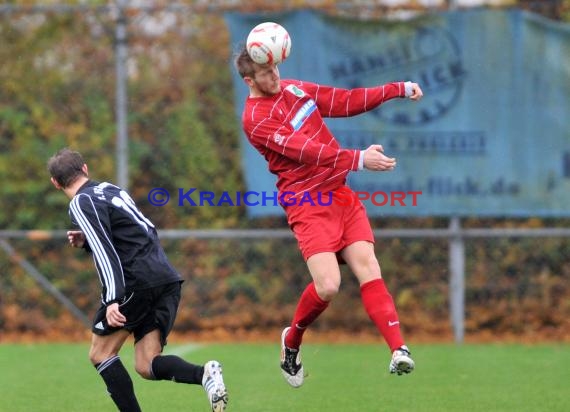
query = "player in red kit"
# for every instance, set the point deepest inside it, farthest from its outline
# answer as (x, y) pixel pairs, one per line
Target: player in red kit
(283, 120)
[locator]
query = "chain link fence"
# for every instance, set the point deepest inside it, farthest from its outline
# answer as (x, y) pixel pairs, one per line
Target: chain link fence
(239, 286)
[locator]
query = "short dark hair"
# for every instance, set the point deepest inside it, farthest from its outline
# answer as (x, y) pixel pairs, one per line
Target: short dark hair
(66, 166)
(243, 62)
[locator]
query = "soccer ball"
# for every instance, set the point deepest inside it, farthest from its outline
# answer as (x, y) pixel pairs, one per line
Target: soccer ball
(268, 43)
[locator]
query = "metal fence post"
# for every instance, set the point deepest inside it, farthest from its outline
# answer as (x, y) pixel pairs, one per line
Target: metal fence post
(457, 279)
(121, 96)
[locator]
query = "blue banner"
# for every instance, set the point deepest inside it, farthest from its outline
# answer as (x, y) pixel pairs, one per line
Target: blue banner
(489, 138)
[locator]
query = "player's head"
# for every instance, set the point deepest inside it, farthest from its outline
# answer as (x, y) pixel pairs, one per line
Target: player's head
(262, 79)
(65, 167)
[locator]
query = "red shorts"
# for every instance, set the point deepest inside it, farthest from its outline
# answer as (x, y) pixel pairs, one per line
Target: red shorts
(323, 227)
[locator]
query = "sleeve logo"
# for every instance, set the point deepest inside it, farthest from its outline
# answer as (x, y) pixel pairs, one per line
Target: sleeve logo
(278, 138)
(295, 90)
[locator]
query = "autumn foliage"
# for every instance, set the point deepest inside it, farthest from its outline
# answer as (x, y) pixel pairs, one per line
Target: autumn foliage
(57, 88)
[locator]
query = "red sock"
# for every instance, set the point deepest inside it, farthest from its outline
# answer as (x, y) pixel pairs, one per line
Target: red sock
(309, 308)
(380, 307)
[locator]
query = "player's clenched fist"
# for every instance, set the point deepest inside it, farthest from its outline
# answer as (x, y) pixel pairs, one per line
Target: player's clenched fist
(416, 93)
(375, 159)
(76, 238)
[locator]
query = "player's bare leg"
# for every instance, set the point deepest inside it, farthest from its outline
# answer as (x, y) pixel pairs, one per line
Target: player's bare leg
(104, 355)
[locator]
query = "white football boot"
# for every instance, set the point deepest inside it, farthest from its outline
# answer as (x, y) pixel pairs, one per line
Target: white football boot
(213, 384)
(401, 361)
(291, 365)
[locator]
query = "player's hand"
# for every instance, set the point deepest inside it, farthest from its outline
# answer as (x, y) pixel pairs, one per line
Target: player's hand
(376, 160)
(76, 238)
(114, 317)
(416, 92)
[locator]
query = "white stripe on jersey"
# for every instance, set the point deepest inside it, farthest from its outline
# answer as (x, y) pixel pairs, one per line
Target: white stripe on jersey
(332, 101)
(305, 144)
(105, 268)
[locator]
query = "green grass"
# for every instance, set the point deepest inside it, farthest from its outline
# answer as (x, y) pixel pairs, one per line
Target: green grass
(344, 378)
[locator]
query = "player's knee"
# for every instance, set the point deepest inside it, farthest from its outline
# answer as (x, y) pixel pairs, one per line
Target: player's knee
(93, 358)
(97, 356)
(143, 369)
(328, 289)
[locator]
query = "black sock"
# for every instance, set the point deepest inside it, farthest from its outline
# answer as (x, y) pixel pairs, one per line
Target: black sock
(119, 384)
(174, 368)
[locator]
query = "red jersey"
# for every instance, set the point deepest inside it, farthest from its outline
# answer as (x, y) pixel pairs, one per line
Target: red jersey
(289, 131)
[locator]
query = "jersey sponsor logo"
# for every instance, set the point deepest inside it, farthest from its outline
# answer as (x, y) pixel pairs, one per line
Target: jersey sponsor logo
(295, 90)
(304, 112)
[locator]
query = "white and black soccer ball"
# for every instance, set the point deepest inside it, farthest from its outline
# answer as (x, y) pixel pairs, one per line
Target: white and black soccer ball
(268, 43)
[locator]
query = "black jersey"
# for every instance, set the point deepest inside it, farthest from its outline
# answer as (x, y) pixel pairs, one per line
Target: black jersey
(125, 245)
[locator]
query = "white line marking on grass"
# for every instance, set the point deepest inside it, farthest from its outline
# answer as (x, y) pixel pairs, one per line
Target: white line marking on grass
(183, 349)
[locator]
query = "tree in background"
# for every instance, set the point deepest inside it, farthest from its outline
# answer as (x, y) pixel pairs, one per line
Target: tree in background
(58, 89)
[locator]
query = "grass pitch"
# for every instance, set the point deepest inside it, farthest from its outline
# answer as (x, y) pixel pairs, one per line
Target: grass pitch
(341, 377)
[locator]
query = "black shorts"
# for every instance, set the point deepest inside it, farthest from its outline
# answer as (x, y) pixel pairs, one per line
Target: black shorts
(145, 310)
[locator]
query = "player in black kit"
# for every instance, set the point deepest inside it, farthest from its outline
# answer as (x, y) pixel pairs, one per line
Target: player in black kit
(141, 289)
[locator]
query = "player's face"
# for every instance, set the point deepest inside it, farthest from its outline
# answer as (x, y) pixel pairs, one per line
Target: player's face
(266, 80)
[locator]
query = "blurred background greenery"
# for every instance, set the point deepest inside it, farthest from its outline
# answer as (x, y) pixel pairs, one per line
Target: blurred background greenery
(57, 89)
